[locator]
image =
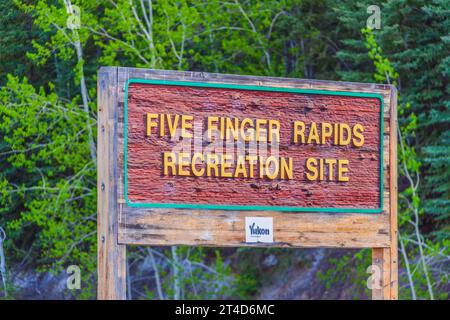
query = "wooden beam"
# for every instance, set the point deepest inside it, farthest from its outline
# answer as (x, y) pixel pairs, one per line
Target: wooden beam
(164, 227)
(160, 226)
(386, 259)
(394, 190)
(111, 255)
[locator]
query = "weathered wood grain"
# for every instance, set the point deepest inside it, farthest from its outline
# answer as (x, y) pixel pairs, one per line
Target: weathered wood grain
(393, 199)
(316, 229)
(111, 255)
(386, 259)
(226, 228)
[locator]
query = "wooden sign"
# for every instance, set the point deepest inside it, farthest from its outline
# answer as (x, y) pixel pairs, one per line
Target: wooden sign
(209, 160)
(241, 147)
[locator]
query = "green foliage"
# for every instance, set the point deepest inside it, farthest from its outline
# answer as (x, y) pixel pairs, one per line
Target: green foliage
(187, 272)
(438, 159)
(425, 255)
(16, 35)
(47, 178)
(198, 280)
(415, 39)
(350, 268)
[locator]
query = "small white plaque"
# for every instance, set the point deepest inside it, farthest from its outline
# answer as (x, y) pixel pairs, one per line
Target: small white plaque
(258, 229)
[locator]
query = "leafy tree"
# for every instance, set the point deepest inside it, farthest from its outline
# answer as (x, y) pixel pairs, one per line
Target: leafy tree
(47, 179)
(16, 35)
(48, 112)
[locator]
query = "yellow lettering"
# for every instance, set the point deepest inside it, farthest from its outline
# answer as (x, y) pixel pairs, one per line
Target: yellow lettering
(311, 166)
(299, 130)
(195, 157)
(150, 123)
(225, 165)
(321, 169)
(274, 130)
(327, 130)
(232, 128)
(287, 169)
(342, 169)
(169, 163)
(240, 167)
(186, 124)
(313, 134)
(172, 124)
(247, 134)
(358, 139)
(183, 161)
(344, 141)
(251, 161)
(212, 126)
(272, 162)
(161, 125)
(212, 163)
(261, 133)
(330, 163)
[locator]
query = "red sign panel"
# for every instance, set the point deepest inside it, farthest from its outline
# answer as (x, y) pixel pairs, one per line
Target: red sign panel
(214, 146)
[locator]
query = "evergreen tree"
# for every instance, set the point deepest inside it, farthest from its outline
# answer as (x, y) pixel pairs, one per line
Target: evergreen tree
(414, 36)
(15, 40)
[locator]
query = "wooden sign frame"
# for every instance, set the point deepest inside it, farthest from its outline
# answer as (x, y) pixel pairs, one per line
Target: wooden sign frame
(120, 223)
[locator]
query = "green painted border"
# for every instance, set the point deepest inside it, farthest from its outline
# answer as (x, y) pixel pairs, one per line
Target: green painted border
(256, 88)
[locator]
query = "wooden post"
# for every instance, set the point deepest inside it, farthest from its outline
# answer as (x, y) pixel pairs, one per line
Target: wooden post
(386, 259)
(111, 256)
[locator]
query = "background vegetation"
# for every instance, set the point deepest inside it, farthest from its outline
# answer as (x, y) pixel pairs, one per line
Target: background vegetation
(48, 130)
